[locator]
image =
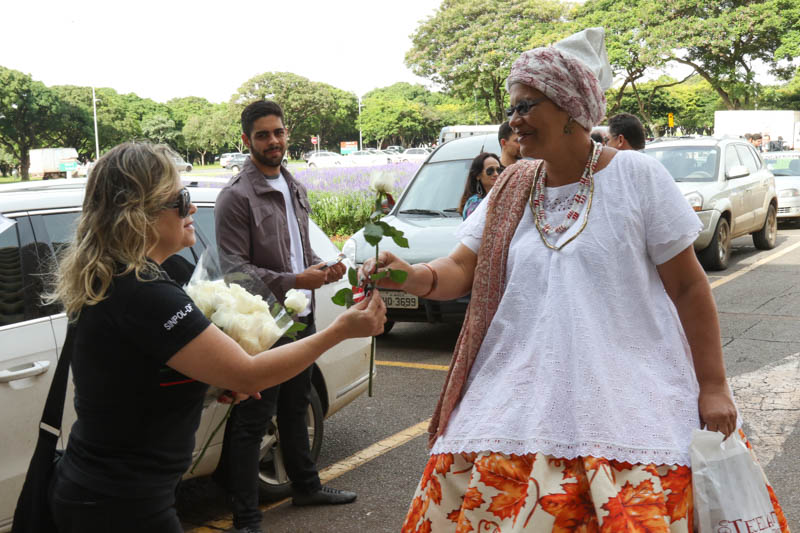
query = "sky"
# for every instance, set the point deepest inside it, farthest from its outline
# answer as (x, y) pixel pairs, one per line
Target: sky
(174, 48)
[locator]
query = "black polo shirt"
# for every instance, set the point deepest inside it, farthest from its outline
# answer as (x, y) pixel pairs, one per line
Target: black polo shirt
(136, 417)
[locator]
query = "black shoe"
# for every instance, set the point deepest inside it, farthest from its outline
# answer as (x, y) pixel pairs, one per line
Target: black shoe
(324, 496)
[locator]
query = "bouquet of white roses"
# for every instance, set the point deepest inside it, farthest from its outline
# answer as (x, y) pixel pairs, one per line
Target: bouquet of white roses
(253, 321)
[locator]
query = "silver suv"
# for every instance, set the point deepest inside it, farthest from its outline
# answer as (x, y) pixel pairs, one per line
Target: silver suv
(727, 184)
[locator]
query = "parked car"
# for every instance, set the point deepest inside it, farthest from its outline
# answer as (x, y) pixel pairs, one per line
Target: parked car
(427, 212)
(235, 162)
(415, 154)
(367, 158)
(395, 148)
(326, 159)
(37, 220)
(182, 165)
(223, 158)
(729, 187)
(785, 166)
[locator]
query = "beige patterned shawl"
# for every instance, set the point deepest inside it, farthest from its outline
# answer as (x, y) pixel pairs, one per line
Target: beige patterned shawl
(507, 204)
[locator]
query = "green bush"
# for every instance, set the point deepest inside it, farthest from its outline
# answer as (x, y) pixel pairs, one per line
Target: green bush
(341, 214)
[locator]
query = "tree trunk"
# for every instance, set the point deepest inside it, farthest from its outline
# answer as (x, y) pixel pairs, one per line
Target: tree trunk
(203, 157)
(24, 163)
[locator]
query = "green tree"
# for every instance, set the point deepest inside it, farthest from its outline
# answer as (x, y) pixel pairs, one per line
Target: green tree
(27, 111)
(75, 124)
(721, 40)
(468, 46)
(207, 132)
(159, 128)
(630, 55)
(301, 99)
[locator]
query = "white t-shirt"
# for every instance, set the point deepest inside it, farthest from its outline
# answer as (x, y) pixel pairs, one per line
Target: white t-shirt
(297, 257)
(586, 354)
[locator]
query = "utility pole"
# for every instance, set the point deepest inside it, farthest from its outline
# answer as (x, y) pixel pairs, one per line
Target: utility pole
(96, 137)
(360, 143)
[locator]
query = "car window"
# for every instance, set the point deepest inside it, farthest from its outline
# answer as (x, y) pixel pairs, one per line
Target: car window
(783, 165)
(60, 229)
(22, 274)
(437, 187)
(731, 159)
(687, 163)
(204, 221)
(759, 162)
(747, 158)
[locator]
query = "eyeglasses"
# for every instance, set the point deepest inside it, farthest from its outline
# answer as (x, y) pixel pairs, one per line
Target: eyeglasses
(524, 107)
(183, 203)
(491, 171)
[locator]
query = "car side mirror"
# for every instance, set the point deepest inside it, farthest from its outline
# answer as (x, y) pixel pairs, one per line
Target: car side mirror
(737, 171)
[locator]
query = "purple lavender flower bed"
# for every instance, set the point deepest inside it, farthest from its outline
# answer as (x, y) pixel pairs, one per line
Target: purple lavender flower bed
(352, 179)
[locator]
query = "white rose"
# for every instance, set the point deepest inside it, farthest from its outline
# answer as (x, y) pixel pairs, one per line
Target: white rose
(295, 302)
(204, 295)
(381, 182)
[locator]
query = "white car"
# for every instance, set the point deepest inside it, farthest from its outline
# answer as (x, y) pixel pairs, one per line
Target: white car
(727, 184)
(367, 158)
(785, 166)
(415, 154)
(326, 159)
(36, 221)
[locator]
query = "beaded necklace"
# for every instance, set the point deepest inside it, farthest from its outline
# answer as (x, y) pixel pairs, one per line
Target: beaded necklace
(582, 196)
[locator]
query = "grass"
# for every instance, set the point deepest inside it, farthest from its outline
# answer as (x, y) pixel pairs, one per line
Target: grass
(14, 179)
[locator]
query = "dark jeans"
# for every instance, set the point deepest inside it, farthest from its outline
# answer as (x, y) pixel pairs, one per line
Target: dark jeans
(77, 509)
(247, 425)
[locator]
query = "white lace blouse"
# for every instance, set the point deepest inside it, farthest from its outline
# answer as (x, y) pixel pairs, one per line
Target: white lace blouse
(586, 354)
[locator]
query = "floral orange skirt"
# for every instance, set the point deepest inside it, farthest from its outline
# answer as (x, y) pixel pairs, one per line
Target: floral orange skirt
(491, 492)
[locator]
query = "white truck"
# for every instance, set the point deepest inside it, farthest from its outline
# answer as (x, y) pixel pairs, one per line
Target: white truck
(49, 163)
(777, 123)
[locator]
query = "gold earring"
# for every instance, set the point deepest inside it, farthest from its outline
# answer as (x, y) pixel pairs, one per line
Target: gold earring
(568, 126)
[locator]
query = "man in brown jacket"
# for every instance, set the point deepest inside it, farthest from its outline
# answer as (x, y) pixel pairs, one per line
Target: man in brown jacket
(262, 219)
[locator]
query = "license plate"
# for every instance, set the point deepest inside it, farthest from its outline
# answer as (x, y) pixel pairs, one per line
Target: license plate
(399, 300)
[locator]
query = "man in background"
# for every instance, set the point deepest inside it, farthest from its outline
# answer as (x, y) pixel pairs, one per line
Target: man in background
(625, 132)
(509, 145)
(262, 226)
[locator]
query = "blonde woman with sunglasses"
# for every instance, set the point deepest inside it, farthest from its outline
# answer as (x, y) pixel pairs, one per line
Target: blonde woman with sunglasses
(143, 353)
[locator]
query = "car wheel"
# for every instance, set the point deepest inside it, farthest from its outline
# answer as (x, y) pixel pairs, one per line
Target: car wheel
(235, 169)
(188, 169)
(387, 327)
(311, 165)
(273, 481)
(764, 239)
(717, 254)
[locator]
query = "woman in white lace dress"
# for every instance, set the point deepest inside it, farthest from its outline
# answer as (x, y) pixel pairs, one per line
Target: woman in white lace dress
(591, 347)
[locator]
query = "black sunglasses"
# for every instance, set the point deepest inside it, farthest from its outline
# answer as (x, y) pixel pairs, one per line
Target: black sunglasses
(491, 171)
(183, 203)
(524, 107)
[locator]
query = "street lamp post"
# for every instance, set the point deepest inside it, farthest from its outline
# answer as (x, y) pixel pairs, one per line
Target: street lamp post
(360, 143)
(96, 137)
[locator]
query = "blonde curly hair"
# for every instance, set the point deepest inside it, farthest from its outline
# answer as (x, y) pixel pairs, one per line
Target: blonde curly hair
(126, 191)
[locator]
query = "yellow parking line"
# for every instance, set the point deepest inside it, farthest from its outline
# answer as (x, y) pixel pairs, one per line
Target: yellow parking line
(333, 471)
(760, 262)
(422, 366)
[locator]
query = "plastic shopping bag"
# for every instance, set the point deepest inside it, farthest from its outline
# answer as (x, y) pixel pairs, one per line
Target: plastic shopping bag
(730, 494)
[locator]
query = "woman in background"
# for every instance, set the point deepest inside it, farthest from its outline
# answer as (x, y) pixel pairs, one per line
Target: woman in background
(483, 172)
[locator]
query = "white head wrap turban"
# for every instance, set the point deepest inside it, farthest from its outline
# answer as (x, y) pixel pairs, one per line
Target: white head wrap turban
(573, 73)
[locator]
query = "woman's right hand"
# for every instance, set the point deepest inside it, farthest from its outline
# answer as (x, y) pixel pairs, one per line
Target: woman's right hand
(386, 261)
(364, 319)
